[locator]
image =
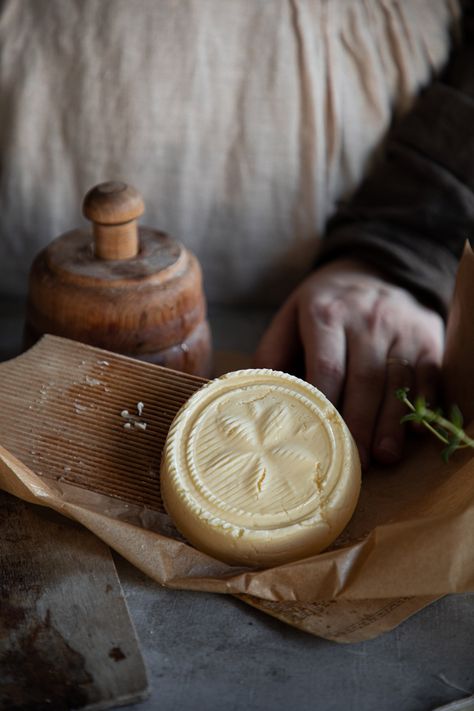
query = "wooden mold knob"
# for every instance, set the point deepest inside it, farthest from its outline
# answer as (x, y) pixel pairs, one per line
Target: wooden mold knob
(113, 209)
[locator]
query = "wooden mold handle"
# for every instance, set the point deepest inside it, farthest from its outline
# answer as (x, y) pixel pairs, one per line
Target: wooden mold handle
(113, 209)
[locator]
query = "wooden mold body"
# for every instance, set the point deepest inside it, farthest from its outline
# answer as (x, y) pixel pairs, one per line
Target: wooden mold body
(132, 290)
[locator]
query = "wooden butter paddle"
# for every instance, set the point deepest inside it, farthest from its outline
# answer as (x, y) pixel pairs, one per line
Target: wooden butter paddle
(66, 639)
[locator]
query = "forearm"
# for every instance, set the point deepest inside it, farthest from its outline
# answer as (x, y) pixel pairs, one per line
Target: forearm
(412, 215)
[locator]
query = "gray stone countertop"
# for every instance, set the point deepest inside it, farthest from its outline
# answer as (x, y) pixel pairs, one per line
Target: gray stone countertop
(209, 652)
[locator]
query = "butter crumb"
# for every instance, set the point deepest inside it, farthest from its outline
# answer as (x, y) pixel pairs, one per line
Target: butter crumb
(93, 381)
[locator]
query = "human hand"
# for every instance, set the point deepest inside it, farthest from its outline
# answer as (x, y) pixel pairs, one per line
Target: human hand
(362, 338)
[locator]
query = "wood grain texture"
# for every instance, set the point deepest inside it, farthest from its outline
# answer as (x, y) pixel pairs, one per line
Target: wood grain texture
(114, 208)
(61, 416)
(66, 639)
(131, 290)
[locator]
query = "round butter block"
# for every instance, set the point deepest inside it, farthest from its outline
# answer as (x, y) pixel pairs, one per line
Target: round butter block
(259, 469)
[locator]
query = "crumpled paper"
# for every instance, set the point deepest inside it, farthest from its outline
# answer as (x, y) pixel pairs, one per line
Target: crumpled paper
(410, 540)
(458, 366)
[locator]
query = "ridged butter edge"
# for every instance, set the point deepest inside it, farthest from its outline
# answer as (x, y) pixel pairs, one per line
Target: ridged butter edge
(171, 470)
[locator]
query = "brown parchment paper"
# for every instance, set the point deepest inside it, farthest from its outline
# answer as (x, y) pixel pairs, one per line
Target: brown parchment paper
(410, 540)
(458, 366)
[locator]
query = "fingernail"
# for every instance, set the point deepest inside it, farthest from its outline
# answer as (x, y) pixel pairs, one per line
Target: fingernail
(388, 450)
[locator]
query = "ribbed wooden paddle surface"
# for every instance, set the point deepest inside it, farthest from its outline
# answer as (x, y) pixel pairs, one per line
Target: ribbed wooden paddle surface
(60, 414)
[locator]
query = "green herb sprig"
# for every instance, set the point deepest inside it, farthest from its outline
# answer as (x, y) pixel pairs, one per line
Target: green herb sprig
(448, 431)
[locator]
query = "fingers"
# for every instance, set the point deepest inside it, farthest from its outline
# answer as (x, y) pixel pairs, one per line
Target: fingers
(364, 389)
(324, 343)
(413, 364)
(428, 370)
(279, 344)
(363, 339)
(422, 378)
(390, 434)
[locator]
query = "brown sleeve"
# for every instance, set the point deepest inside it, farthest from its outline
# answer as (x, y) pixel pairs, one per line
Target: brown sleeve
(412, 215)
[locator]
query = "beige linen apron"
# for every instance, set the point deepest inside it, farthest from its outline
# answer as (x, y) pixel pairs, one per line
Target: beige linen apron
(242, 122)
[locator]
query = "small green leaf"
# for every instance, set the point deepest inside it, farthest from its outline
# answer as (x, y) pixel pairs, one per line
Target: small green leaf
(456, 417)
(450, 432)
(420, 404)
(431, 416)
(452, 446)
(412, 417)
(446, 453)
